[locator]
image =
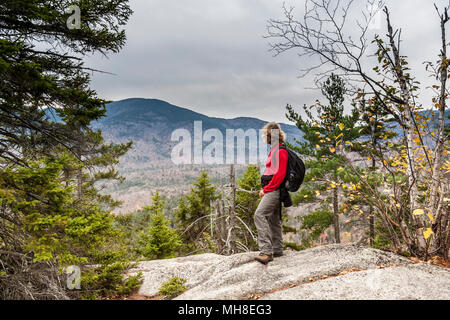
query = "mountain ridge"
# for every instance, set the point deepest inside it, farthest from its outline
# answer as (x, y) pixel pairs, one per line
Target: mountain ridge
(147, 121)
(175, 107)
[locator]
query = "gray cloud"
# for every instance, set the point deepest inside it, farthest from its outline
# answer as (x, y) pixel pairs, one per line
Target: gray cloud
(210, 55)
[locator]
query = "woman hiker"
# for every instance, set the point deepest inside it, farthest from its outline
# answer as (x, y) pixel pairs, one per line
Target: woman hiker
(268, 214)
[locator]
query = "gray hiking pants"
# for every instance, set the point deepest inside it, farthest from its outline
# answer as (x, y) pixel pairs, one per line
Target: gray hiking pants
(268, 223)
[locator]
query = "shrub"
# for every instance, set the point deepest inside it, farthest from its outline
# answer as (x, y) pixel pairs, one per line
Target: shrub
(173, 287)
(107, 281)
(160, 241)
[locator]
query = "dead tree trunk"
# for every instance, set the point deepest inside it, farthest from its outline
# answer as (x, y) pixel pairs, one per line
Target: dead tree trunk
(219, 221)
(371, 227)
(231, 216)
(337, 235)
(409, 117)
(371, 208)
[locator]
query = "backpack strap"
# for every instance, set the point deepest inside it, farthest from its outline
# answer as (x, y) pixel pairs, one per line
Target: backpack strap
(287, 173)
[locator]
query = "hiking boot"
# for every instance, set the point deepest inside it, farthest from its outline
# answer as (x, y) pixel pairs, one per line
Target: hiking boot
(264, 258)
(277, 254)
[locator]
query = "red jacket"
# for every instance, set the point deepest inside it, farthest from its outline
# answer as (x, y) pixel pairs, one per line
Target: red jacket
(278, 169)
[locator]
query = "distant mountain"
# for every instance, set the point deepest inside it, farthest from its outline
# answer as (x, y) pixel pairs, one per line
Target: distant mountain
(150, 123)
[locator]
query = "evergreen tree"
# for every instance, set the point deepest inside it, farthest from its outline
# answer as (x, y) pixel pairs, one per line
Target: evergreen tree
(323, 137)
(50, 158)
(315, 222)
(45, 100)
(136, 223)
(157, 205)
(193, 209)
(160, 241)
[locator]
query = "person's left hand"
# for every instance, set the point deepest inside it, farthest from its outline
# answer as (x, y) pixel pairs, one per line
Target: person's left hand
(261, 193)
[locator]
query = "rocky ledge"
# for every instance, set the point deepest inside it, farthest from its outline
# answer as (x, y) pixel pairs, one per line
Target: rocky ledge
(326, 272)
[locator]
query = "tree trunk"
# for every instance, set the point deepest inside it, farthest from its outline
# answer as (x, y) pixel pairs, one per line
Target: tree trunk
(371, 227)
(435, 206)
(409, 120)
(371, 211)
(231, 217)
(218, 225)
(337, 235)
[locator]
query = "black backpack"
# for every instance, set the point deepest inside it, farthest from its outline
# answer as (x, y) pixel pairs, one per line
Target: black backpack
(295, 172)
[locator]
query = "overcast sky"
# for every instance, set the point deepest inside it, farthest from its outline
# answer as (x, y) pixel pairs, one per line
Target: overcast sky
(210, 55)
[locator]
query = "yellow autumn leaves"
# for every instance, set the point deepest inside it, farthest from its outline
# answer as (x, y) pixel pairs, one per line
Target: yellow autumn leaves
(447, 166)
(332, 149)
(427, 232)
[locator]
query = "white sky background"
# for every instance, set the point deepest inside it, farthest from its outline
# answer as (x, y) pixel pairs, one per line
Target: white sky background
(210, 55)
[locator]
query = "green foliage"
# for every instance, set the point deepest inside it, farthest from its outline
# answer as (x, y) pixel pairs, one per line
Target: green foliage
(50, 157)
(326, 131)
(287, 229)
(136, 224)
(382, 238)
(248, 202)
(45, 101)
(317, 221)
(159, 241)
(293, 246)
(173, 287)
(59, 226)
(108, 281)
(157, 205)
(192, 210)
